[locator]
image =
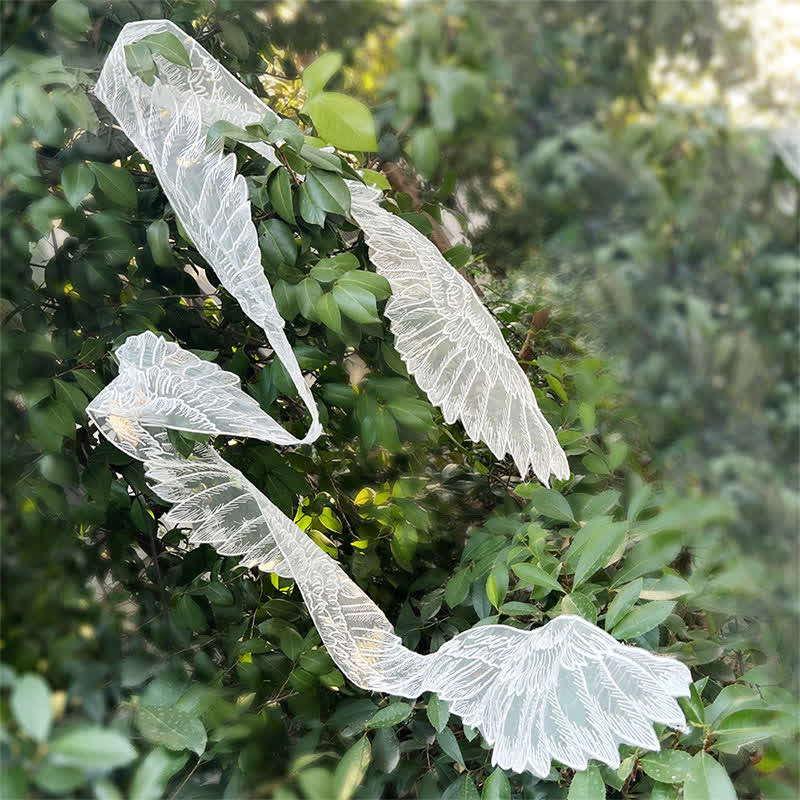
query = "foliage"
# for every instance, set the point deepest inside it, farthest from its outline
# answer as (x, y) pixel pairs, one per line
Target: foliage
(135, 668)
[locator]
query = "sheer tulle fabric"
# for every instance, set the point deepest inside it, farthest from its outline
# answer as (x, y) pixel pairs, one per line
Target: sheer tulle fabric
(567, 691)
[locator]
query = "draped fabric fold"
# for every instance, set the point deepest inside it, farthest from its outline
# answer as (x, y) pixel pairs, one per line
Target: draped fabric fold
(567, 691)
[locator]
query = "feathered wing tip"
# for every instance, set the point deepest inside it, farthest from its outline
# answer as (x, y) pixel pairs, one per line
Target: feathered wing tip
(452, 345)
(161, 384)
(566, 692)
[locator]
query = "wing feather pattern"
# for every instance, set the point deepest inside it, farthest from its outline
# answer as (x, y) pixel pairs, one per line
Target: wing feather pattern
(567, 691)
(452, 345)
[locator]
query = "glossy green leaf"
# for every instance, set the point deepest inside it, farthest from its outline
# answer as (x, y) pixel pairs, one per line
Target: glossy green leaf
(548, 502)
(30, 702)
(371, 281)
(496, 787)
(319, 72)
(533, 575)
(139, 61)
(668, 766)
(587, 785)
(351, 769)
(438, 713)
(77, 180)
(327, 191)
(390, 715)
(280, 195)
(92, 747)
(277, 242)
(168, 46)
(356, 303)
(152, 775)
(115, 183)
(171, 727)
(343, 121)
(706, 779)
(622, 603)
(424, 150)
(643, 619)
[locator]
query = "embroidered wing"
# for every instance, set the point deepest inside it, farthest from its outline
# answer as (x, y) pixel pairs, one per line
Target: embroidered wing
(452, 345)
(566, 692)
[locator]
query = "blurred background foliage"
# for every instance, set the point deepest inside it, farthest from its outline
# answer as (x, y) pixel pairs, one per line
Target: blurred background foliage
(606, 176)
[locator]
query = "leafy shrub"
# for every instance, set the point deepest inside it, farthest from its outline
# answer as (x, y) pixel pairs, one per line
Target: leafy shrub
(134, 668)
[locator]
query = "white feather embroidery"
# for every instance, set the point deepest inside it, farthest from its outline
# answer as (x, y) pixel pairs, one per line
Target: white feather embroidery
(452, 345)
(567, 691)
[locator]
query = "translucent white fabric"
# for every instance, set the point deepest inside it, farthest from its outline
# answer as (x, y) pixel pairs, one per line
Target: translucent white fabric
(567, 691)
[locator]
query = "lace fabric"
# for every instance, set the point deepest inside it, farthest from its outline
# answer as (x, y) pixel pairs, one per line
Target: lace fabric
(567, 691)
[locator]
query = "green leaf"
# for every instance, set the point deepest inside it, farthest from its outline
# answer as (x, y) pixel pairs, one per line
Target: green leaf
(222, 129)
(190, 613)
(77, 180)
(235, 39)
(351, 769)
(461, 789)
(327, 270)
(319, 72)
(447, 741)
(308, 293)
(707, 780)
(168, 46)
(292, 643)
(668, 766)
(643, 619)
(532, 575)
(13, 782)
(385, 750)
(371, 281)
(328, 191)
(327, 310)
(88, 381)
(309, 210)
(751, 725)
(139, 60)
(373, 178)
(424, 150)
(115, 183)
(218, 594)
(622, 603)
(105, 790)
(58, 778)
(414, 414)
(277, 243)
(92, 747)
(287, 131)
(321, 158)
(578, 603)
(497, 584)
(597, 550)
(171, 727)
(393, 714)
(280, 194)
(356, 303)
(386, 434)
(285, 299)
(457, 588)
(438, 713)
(343, 121)
(496, 787)
(30, 702)
(649, 555)
(587, 785)
(548, 502)
(158, 242)
(152, 775)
